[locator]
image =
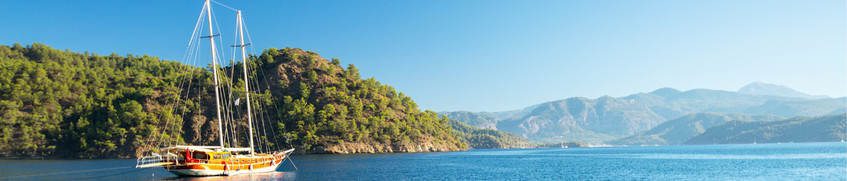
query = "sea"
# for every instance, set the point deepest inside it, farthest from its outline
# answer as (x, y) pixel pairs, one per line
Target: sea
(785, 161)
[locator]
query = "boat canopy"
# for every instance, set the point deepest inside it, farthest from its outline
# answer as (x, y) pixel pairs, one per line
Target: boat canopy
(203, 148)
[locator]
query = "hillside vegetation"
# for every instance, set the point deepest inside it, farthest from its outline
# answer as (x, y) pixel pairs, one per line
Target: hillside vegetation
(484, 138)
(479, 120)
(57, 103)
(66, 104)
(326, 108)
(799, 129)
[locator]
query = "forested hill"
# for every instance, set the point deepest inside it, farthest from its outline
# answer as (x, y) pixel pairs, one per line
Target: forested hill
(57, 103)
(485, 138)
(327, 108)
(829, 128)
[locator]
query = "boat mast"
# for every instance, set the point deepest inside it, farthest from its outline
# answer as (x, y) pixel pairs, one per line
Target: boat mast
(246, 89)
(215, 72)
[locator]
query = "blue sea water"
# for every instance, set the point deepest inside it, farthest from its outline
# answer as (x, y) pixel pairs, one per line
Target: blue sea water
(788, 161)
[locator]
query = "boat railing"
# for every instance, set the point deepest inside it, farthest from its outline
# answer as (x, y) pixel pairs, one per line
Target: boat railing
(156, 160)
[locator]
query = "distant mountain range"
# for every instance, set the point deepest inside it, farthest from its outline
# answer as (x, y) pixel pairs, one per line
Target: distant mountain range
(582, 119)
(760, 88)
(799, 129)
(639, 118)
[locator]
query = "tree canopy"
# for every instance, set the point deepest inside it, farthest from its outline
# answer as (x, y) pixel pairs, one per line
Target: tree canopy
(57, 103)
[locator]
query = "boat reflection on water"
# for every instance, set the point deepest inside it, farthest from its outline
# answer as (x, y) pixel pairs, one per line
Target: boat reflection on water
(254, 176)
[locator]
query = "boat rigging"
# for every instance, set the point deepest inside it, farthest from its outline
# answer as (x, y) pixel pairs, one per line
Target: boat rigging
(225, 158)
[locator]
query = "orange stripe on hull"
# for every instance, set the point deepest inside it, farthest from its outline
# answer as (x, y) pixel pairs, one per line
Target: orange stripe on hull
(240, 165)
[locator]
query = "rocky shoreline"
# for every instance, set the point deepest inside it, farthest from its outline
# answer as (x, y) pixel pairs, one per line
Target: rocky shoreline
(353, 148)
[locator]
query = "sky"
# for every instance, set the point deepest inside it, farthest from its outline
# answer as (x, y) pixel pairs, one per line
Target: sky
(489, 55)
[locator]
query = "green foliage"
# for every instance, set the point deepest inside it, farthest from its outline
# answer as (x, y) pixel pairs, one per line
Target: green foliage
(336, 61)
(325, 105)
(480, 138)
(798, 129)
(62, 104)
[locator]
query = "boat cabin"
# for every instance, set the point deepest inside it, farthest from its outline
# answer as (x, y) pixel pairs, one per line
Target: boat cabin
(204, 154)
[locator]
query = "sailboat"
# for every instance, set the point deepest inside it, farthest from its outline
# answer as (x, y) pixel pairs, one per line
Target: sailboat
(217, 160)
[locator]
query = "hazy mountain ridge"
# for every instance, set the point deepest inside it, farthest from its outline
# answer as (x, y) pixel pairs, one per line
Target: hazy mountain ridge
(798, 129)
(607, 118)
(575, 119)
(790, 108)
(761, 88)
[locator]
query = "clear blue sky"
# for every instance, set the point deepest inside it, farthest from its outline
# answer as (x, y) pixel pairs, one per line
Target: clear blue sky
(491, 55)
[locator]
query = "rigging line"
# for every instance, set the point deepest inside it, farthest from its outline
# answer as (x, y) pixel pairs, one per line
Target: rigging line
(264, 134)
(226, 103)
(262, 114)
(224, 106)
(234, 39)
(264, 118)
(248, 82)
(224, 5)
(233, 65)
(193, 61)
(103, 176)
(219, 50)
(267, 85)
(199, 20)
(247, 32)
(193, 57)
(253, 112)
(226, 87)
(252, 126)
(292, 162)
(229, 105)
(259, 126)
(249, 39)
(233, 110)
(232, 117)
(259, 116)
(231, 132)
(234, 130)
(220, 53)
(276, 109)
(151, 139)
(244, 63)
(265, 126)
(227, 118)
(233, 69)
(187, 55)
(226, 132)
(68, 172)
(232, 120)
